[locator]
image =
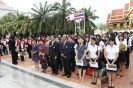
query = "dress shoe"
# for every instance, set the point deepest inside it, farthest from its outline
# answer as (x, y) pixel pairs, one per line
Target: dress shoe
(109, 87)
(64, 75)
(127, 67)
(92, 82)
(68, 76)
(56, 73)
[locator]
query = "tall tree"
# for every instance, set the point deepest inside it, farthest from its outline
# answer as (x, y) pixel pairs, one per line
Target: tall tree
(89, 20)
(63, 9)
(41, 17)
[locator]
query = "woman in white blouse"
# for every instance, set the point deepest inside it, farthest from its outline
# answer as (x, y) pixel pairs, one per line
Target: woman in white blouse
(93, 52)
(101, 44)
(111, 55)
(122, 55)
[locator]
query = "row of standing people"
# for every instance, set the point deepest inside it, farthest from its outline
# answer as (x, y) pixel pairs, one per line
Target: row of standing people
(97, 49)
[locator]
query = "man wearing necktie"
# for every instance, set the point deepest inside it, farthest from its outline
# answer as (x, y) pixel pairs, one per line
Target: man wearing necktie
(53, 53)
(65, 55)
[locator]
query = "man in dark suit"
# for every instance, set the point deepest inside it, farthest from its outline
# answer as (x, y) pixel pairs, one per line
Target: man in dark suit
(13, 51)
(72, 53)
(65, 54)
(53, 54)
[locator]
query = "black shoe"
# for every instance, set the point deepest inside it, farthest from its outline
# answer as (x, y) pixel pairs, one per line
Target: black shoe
(60, 69)
(64, 75)
(92, 82)
(95, 83)
(68, 76)
(109, 87)
(22, 60)
(112, 87)
(127, 67)
(56, 73)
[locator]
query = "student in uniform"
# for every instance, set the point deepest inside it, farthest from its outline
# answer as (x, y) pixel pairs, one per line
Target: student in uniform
(101, 45)
(81, 56)
(127, 39)
(122, 55)
(111, 54)
(94, 52)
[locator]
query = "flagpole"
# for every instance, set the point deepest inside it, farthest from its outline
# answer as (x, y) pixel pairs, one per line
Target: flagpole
(75, 26)
(79, 24)
(84, 22)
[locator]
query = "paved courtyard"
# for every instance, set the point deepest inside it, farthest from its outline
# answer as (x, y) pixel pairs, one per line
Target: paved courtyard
(24, 76)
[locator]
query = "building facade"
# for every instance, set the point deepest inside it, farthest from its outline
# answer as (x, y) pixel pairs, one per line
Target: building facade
(4, 9)
(121, 18)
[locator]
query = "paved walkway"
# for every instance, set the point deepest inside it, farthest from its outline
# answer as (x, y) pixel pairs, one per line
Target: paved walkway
(56, 81)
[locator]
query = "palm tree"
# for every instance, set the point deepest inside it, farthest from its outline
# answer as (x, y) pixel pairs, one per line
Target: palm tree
(41, 17)
(63, 9)
(14, 22)
(89, 18)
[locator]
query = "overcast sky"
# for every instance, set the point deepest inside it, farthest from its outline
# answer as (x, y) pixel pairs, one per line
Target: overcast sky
(103, 7)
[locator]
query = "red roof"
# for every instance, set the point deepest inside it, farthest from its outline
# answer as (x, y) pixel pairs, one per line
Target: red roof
(2, 3)
(117, 12)
(126, 7)
(131, 3)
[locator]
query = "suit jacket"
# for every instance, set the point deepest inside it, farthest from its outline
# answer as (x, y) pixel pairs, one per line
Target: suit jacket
(12, 45)
(66, 50)
(72, 51)
(53, 49)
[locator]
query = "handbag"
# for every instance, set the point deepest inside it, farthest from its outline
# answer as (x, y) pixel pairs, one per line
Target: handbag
(44, 64)
(89, 71)
(103, 72)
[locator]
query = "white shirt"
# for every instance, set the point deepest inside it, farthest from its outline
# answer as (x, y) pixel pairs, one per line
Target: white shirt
(93, 50)
(111, 51)
(101, 44)
(75, 46)
(4, 42)
(116, 39)
(129, 41)
(123, 42)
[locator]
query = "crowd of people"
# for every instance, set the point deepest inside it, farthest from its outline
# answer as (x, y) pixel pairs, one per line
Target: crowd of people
(68, 51)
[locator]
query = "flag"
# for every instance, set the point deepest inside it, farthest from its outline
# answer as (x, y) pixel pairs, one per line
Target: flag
(68, 18)
(79, 15)
(71, 17)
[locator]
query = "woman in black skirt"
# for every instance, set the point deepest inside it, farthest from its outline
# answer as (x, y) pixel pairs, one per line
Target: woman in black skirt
(122, 56)
(93, 53)
(111, 54)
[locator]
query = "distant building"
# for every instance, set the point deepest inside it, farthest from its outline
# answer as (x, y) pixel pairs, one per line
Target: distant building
(121, 18)
(4, 9)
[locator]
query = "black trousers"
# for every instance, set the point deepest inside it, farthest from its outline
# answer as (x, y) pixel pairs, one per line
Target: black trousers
(48, 59)
(16, 55)
(53, 64)
(1, 52)
(22, 58)
(29, 53)
(127, 57)
(59, 63)
(67, 67)
(14, 59)
(73, 64)
(5, 50)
